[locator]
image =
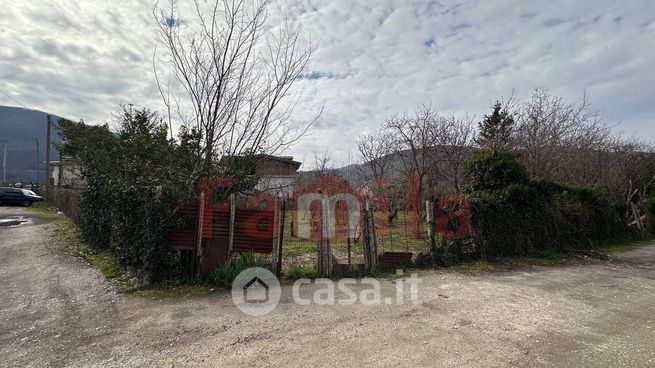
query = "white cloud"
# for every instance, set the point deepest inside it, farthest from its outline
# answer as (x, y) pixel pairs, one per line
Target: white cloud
(82, 58)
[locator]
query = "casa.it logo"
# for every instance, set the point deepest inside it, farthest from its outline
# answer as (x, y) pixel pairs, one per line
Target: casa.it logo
(256, 291)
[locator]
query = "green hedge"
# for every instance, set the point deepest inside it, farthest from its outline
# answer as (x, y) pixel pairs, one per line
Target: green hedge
(514, 216)
(493, 170)
(526, 219)
(136, 178)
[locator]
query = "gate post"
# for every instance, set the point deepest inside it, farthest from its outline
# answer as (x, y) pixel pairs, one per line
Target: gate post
(325, 261)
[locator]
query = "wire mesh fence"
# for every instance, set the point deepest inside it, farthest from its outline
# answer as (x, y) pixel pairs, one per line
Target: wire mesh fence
(394, 236)
(325, 225)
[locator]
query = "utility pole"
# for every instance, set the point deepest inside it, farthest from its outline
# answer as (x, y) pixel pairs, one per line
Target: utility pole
(37, 161)
(47, 156)
(4, 165)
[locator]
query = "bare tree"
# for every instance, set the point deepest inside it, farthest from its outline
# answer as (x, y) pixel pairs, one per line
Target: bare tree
(415, 137)
(454, 139)
(569, 143)
(629, 164)
(323, 164)
(549, 129)
(376, 151)
(236, 74)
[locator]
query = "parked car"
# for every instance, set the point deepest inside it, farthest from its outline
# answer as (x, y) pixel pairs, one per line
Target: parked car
(17, 196)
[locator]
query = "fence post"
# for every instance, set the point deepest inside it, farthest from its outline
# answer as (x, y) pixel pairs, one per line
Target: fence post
(349, 252)
(201, 220)
(281, 239)
(429, 211)
(230, 242)
(323, 243)
(374, 243)
(366, 241)
(370, 242)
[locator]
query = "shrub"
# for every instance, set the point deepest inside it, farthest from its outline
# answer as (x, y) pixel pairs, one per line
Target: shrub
(135, 180)
(522, 217)
(493, 170)
(223, 276)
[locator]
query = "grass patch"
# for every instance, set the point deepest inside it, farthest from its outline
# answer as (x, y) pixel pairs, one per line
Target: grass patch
(301, 271)
(45, 211)
(474, 266)
(623, 245)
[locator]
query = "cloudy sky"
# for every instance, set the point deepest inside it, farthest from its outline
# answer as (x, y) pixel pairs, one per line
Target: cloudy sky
(81, 58)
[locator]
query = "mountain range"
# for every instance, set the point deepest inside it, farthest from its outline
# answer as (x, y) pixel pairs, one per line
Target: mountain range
(20, 129)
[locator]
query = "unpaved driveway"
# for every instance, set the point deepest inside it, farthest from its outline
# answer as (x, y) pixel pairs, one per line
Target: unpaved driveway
(56, 311)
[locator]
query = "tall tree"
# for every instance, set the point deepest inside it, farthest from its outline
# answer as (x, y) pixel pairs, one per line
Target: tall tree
(236, 73)
(496, 129)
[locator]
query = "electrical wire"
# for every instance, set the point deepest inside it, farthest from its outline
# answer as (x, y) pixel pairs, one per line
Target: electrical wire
(54, 123)
(13, 99)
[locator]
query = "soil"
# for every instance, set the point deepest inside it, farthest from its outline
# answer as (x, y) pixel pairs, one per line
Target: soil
(56, 311)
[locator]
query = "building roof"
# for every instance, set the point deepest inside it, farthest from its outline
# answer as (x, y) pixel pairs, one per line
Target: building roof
(284, 159)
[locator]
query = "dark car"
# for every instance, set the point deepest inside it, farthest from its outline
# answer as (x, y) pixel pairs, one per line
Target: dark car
(22, 197)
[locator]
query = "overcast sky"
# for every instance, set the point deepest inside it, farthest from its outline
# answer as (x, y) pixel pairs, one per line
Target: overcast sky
(81, 58)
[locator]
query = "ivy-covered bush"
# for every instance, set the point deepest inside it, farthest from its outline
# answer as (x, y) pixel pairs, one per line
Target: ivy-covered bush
(529, 217)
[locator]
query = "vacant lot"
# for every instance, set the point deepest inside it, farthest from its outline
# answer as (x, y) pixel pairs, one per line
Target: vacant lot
(56, 311)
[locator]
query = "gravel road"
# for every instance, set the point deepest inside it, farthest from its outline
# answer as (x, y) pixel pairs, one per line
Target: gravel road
(55, 311)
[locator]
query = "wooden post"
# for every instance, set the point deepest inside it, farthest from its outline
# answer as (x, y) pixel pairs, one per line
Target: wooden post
(281, 238)
(230, 241)
(370, 243)
(323, 243)
(374, 242)
(365, 241)
(349, 252)
(201, 220)
(429, 211)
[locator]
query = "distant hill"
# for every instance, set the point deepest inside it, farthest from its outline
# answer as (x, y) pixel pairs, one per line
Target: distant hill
(18, 128)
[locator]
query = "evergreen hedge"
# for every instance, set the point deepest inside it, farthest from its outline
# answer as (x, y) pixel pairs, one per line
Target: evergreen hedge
(516, 216)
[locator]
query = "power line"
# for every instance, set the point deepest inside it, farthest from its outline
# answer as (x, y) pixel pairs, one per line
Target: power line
(13, 99)
(23, 105)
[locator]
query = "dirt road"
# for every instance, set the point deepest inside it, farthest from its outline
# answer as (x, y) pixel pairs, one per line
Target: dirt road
(56, 311)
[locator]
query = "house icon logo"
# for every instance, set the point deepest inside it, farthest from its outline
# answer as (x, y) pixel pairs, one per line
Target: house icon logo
(256, 291)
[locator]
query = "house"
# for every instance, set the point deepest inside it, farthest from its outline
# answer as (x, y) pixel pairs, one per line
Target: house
(66, 173)
(277, 174)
